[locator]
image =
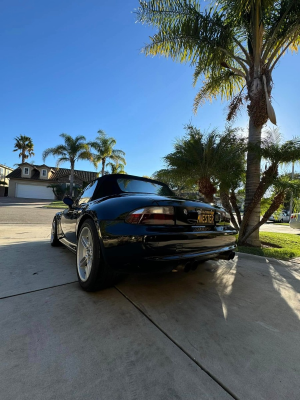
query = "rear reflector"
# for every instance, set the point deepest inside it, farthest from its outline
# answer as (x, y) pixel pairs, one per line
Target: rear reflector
(152, 216)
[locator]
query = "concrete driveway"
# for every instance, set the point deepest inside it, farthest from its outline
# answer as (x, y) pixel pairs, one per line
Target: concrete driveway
(227, 330)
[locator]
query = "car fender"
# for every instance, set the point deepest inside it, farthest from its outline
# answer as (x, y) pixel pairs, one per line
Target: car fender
(90, 214)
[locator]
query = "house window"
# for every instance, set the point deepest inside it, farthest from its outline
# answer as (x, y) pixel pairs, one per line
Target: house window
(44, 172)
(1, 173)
(26, 171)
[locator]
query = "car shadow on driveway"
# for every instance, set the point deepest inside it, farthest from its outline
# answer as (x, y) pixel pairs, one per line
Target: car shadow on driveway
(32, 265)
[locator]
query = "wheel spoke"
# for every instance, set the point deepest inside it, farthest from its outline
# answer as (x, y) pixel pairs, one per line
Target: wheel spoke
(88, 269)
(84, 242)
(83, 262)
(85, 247)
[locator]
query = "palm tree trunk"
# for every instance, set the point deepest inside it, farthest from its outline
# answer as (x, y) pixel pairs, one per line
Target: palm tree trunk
(276, 203)
(252, 182)
(72, 178)
(226, 204)
(23, 156)
(103, 166)
(207, 189)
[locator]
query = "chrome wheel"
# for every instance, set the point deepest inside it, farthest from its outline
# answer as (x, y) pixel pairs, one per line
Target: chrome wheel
(85, 254)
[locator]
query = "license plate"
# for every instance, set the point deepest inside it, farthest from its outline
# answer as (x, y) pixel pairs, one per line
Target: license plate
(206, 217)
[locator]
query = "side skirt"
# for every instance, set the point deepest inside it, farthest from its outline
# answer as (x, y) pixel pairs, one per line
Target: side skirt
(69, 245)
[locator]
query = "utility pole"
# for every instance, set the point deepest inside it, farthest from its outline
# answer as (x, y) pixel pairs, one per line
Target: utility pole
(291, 202)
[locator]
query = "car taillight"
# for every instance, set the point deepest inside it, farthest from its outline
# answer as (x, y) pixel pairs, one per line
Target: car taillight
(152, 216)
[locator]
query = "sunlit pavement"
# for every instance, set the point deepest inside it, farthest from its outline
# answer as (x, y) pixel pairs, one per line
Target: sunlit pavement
(226, 330)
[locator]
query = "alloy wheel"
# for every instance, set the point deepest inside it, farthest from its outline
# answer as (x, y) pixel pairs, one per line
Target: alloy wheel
(85, 254)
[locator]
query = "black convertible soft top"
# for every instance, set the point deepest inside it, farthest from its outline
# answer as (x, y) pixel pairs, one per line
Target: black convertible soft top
(114, 184)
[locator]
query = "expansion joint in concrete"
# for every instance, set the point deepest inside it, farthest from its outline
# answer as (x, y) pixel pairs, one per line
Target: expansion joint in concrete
(214, 378)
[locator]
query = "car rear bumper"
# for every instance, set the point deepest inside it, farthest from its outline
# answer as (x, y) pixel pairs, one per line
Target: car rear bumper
(295, 224)
(148, 248)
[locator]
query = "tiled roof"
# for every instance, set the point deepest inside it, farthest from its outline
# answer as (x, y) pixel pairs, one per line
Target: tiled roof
(85, 176)
(57, 175)
(16, 173)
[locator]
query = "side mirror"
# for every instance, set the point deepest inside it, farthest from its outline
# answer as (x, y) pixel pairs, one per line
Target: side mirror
(68, 201)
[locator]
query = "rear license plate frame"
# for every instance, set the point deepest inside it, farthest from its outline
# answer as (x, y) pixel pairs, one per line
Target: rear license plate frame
(206, 217)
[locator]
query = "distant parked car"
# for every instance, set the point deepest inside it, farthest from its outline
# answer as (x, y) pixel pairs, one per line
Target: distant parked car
(280, 217)
(295, 221)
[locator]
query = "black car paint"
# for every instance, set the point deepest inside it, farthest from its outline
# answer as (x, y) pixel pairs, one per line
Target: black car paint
(129, 247)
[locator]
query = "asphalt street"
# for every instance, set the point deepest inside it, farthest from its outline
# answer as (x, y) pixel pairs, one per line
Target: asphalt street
(226, 330)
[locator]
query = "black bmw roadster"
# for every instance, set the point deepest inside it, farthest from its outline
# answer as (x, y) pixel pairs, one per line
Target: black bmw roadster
(124, 223)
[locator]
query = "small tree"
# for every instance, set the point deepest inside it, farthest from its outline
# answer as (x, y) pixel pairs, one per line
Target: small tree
(72, 150)
(217, 162)
(25, 146)
(209, 159)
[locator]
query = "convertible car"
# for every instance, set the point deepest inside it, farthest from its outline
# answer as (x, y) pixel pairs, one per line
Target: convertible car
(124, 223)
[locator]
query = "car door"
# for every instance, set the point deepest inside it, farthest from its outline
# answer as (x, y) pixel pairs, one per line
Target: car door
(286, 217)
(70, 216)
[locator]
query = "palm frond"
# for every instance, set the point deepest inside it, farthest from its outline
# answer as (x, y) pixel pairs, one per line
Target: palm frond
(61, 160)
(59, 150)
(226, 84)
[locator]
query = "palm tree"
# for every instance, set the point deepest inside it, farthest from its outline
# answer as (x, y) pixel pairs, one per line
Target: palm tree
(116, 168)
(235, 46)
(72, 150)
(25, 146)
(104, 147)
(211, 159)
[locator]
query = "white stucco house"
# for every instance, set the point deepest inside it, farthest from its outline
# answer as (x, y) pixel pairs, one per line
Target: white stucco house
(31, 181)
(4, 181)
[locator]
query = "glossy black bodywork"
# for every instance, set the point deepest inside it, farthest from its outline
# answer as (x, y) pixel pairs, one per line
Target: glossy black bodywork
(127, 247)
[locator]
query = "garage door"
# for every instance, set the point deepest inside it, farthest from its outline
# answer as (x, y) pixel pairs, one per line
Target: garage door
(34, 192)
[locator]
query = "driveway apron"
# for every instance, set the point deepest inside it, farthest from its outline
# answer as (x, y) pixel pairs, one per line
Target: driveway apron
(58, 342)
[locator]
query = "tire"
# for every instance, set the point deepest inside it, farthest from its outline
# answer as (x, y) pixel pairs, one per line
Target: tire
(92, 271)
(53, 237)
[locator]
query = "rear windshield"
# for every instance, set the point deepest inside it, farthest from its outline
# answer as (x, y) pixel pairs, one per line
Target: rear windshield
(139, 186)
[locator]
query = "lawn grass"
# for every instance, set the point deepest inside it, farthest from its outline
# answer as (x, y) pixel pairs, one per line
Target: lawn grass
(278, 223)
(56, 204)
(283, 246)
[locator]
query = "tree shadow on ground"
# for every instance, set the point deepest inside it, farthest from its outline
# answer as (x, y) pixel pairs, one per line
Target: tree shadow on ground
(232, 318)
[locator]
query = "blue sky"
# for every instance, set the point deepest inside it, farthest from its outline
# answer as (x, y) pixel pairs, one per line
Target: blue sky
(75, 66)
